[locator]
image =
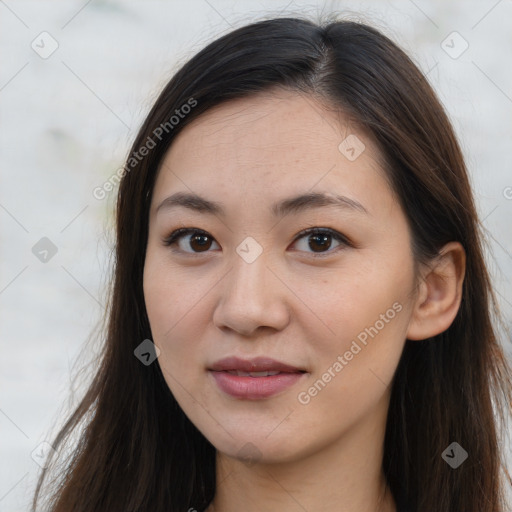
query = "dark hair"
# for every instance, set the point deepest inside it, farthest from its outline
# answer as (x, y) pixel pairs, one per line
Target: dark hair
(138, 451)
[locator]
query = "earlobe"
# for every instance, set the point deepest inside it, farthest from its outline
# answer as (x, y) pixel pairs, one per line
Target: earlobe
(440, 294)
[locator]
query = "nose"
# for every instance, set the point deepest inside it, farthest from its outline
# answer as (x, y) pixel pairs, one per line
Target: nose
(251, 297)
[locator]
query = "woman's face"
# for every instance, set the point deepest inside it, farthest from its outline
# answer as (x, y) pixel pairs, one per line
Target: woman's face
(249, 285)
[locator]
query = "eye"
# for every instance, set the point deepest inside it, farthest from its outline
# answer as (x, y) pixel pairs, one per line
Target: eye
(200, 240)
(318, 239)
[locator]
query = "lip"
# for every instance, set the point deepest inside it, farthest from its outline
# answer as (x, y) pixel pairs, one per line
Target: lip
(257, 364)
(254, 388)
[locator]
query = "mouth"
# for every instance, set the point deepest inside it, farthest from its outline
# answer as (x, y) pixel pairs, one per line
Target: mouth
(255, 366)
(241, 373)
(254, 379)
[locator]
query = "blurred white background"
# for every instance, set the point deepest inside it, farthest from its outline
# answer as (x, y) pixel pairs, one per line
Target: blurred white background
(68, 118)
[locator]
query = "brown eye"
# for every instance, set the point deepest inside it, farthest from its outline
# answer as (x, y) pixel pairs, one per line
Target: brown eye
(200, 242)
(316, 240)
(188, 238)
(320, 240)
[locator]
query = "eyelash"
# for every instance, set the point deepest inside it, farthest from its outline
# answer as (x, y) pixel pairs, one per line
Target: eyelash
(176, 235)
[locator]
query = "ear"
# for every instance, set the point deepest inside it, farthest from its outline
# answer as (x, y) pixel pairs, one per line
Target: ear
(440, 294)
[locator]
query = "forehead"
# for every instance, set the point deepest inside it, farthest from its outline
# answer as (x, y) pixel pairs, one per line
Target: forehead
(271, 144)
(272, 120)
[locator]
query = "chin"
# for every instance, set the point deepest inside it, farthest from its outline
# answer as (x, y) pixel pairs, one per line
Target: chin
(257, 448)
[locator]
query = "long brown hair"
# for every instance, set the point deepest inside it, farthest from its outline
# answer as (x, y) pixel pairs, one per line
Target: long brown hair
(137, 451)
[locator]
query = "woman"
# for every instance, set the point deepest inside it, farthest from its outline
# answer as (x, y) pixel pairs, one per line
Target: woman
(301, 316)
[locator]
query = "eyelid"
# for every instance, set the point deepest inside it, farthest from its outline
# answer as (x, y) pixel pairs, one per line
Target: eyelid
(175, 235)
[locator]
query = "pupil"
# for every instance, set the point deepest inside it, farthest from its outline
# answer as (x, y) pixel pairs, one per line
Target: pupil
(322, 238)
(203, 243)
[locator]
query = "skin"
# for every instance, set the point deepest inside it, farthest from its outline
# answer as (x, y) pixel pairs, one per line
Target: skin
(288, 304)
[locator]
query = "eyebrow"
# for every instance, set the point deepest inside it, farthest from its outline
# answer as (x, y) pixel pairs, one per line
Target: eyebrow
(294, 204)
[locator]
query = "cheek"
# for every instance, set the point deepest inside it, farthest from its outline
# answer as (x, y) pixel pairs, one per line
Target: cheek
(173, 306)
(365, 313)
(347, 303)
(354, 367)
(169, 295)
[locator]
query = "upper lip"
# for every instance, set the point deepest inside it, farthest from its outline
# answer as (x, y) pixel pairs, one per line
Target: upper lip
(257, 364)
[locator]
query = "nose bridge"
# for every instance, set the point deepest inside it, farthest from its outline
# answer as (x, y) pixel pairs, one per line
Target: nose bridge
(251, 296)
(249, 273)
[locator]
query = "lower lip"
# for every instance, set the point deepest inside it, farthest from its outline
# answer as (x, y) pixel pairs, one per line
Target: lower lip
(255, 388)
